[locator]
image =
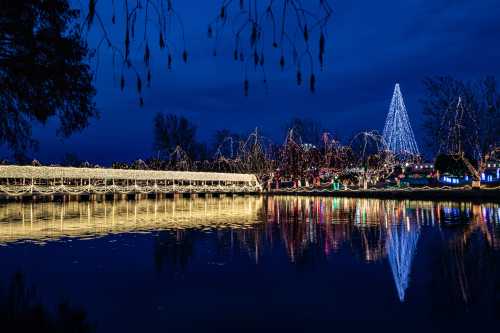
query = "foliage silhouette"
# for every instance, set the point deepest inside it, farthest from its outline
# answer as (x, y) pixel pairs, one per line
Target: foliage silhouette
(20, 311)
(43, 72)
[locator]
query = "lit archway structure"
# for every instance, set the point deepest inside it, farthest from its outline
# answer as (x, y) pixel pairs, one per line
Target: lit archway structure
(21, 180)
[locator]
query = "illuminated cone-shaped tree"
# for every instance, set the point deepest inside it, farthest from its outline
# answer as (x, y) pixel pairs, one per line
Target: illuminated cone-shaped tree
(398, 134)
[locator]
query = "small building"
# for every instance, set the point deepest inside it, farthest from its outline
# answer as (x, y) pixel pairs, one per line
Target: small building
(452, 180)
(420, 168)
(491, 173)
(417, 174)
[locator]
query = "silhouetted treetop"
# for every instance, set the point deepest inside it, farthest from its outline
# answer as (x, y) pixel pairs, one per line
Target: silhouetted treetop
(43, 71)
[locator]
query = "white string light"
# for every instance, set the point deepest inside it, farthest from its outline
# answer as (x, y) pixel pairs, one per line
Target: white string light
(100, 180)
(401, 244)
(398, 133)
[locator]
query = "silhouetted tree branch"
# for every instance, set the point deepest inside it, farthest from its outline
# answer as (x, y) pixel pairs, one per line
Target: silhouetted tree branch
(43, 72)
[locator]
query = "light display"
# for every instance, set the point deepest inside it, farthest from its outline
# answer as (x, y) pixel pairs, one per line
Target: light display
(401, 244)
(371, 158)
(398, 133)
(18, 180)
(452, 145)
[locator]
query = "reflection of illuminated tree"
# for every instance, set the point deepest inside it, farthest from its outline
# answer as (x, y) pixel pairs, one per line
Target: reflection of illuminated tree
(20, 311)
(174, 248)
(366, 243)
(468, 269)
(401, 244)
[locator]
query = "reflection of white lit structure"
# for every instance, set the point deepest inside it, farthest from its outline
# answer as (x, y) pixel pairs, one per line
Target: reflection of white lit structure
(401, 244)
(50, 221)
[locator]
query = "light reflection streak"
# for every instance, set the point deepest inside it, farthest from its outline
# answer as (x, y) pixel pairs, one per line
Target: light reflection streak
(401, 244)
(52, 221)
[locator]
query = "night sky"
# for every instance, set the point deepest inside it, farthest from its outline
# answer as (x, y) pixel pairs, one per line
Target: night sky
(371, 45)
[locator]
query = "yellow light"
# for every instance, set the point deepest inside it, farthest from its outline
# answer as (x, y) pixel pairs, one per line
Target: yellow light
(47, 221)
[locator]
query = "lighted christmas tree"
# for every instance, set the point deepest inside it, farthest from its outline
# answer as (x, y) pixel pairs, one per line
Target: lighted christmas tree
(398, 134)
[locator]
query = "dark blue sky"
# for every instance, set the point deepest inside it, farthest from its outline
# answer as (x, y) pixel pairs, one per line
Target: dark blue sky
(370, 46)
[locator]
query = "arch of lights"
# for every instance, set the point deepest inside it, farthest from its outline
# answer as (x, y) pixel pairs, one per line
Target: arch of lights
(19, 180)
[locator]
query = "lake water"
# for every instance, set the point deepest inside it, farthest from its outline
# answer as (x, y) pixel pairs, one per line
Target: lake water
(248, 262)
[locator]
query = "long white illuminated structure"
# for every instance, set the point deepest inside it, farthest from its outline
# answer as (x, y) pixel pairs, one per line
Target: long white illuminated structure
(16, 180)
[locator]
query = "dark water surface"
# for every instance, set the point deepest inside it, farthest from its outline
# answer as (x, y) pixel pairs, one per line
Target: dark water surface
(277, 262)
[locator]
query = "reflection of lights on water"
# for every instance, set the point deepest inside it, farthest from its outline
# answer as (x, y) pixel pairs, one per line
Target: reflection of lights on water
(372, 229)
(401, 244)
(55, 220)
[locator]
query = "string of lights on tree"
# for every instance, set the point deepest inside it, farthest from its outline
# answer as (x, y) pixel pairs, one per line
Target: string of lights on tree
(398, 134)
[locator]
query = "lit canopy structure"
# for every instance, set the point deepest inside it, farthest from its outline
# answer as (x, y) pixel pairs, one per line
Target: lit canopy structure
(398, 133)
(17, 180)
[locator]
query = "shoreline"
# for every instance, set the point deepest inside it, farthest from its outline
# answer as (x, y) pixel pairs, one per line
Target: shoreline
(479, 195)
(468, 194)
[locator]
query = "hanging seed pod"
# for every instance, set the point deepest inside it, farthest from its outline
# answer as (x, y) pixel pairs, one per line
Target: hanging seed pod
(299, 77)
(223, 12)
(146, 55)
(235, 54)
(91, 14)
(185, 56)
(141, 102)
(242, 4)
(253, 35)
(306, 33)
(312, 83)
(275, 45)
(149, 78)
(127, 43)
(210, 31)
(214, 52)
(282, 62)
(321, 43)
(321, 50)
(139, 84)
(169, 61)
(161, 41)
(255, 58)
(245, 87)
(122, 82)
(113, 19)
(169, 5)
